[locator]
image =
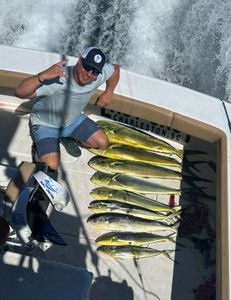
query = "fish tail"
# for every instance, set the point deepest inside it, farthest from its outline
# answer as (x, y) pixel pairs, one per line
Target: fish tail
(172, 237)
(176, 209)
(167, 254)
(172, 218)
(173, 215)
(175, 226)
(180, 153)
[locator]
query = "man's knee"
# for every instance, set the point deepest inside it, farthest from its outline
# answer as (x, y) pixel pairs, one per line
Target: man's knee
(103, 142)
(52, 160)
(98, 140)
(53, 165)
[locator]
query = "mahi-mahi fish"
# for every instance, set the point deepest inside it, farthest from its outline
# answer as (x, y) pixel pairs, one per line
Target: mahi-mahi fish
(100, 206)
(122, 222)
(121, 134)
(132, 184)
(140, 169)
(117, 151)
(103, 193)
(132, 252)
(127, 238)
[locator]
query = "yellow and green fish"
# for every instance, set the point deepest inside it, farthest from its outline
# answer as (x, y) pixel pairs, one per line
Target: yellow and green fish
(124, 135)
(131, 183)
(140, 169)
(132, 252)
(101, 206)
(122, 222)
(119, 152)
(129, 238)
(104, 193)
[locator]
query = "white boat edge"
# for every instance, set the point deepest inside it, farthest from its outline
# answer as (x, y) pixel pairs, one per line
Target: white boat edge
(164, 103)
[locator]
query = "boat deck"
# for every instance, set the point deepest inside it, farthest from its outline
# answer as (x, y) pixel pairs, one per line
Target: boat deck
(148, 278)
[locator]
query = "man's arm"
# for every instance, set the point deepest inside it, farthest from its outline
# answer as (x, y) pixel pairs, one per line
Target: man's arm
(106, 97)
(27, 88)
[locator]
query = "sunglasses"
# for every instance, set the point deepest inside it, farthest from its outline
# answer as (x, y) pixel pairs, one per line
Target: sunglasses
(88, 68)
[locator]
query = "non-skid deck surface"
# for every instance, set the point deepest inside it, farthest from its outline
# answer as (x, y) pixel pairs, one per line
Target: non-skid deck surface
(148, 278)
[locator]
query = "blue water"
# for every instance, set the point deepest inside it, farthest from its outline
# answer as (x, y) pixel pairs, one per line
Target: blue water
(187, 42)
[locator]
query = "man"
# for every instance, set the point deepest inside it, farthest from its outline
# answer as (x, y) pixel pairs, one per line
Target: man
(62, 94)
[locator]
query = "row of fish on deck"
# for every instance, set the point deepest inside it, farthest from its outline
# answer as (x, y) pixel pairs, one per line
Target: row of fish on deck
(128, 173)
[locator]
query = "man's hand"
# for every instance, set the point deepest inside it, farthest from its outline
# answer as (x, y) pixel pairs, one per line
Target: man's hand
(54, 71)
(105, 98)
(27, 88)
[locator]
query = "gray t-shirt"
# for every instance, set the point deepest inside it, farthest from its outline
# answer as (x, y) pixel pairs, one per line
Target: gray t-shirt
(61, 100)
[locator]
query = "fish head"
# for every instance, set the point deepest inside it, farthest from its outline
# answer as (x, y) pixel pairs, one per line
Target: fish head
(99, 162)
(100, 193)
(96, 218)
(100, 178)
(92, 162)
(96, 204)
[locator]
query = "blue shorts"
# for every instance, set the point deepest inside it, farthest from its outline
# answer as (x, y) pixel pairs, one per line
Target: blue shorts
(46, 139)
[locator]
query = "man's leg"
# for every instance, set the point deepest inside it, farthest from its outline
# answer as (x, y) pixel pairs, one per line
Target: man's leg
(46, 145)
(47, 151)
(83, 132)
(97, 140)
(90, 134)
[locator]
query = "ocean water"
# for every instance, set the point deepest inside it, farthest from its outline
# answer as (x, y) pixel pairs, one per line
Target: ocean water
(187, 42)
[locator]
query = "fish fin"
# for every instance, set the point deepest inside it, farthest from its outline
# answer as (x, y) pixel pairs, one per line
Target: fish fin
(114, 177)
